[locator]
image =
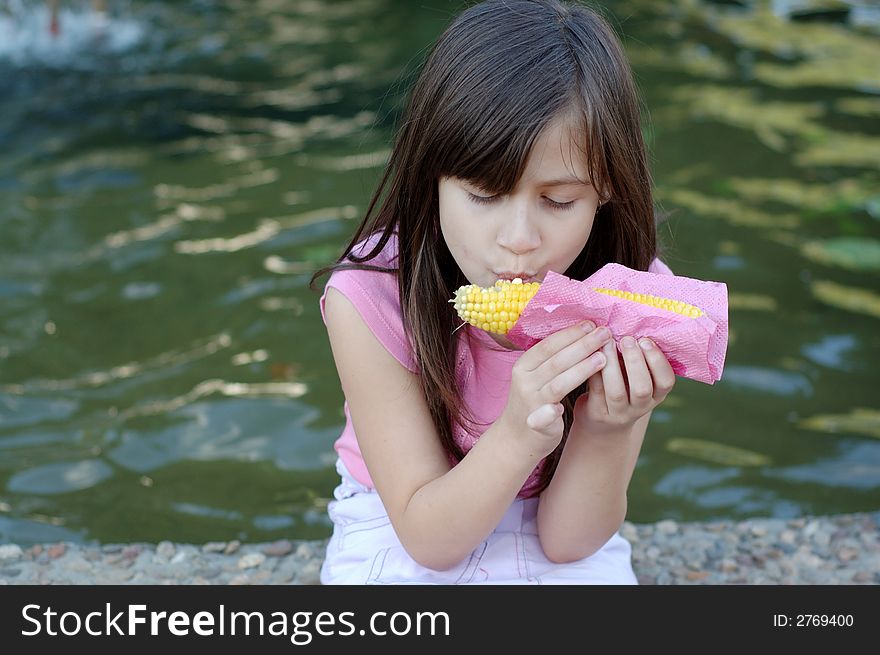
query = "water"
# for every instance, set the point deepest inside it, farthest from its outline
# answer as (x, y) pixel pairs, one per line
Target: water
(170, 177)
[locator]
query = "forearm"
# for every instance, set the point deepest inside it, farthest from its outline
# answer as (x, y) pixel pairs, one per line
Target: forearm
(451, 515)
(585, 503)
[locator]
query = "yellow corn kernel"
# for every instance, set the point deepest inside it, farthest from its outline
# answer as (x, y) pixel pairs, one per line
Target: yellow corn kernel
(668, 304)
(494, 309)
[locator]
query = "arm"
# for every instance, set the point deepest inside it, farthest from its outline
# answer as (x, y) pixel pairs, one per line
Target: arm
(585, 503)
(441, 513)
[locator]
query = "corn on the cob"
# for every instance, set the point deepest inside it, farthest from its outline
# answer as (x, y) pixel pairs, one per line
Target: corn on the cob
(655, 301)
(497, 308)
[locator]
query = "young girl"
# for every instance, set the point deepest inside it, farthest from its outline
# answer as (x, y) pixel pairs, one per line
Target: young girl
(464, 460)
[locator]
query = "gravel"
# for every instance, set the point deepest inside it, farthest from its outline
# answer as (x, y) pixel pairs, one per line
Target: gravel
(843, 549)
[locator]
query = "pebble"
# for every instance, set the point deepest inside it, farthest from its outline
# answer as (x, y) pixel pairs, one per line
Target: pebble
(842, 549)
(251, 560)
(10, 551)
(278, 549)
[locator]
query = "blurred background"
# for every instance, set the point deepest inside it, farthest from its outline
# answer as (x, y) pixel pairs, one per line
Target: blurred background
(171, 173)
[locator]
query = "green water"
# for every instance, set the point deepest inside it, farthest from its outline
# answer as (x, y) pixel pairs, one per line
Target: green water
(167, 186)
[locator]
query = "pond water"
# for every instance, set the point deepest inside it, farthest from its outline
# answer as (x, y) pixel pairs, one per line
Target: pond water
(170, 177)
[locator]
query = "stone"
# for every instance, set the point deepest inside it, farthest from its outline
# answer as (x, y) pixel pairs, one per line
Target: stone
(667, 527)
(165, 550)
(10, 552)
(310, 574)
(251, 560)
(278, 548)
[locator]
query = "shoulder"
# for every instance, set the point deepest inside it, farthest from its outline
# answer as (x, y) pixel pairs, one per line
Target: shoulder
(374, 297)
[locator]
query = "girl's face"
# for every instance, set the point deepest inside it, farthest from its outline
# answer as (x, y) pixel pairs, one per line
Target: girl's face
(542, 225)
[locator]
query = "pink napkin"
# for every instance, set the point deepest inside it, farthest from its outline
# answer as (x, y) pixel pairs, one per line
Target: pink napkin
(695, 347)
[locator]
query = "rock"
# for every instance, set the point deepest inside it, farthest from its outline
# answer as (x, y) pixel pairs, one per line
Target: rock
(863, 577)
(310, 573)
(165, 550)
(304, 550)
(131, 552)
(251, 560)
(214, 547)
(628, 531)
(10, 552)
(56, 551)
(231, 547)
(278, 548)
(759, 531)
(847, 554)
(667, 527)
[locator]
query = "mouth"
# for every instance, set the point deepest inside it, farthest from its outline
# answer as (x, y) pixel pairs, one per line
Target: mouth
(512, 275)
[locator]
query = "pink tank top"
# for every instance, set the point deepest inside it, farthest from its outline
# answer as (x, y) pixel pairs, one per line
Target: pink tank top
(483, 368)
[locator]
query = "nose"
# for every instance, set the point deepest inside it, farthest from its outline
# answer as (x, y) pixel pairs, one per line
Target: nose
(518, 233)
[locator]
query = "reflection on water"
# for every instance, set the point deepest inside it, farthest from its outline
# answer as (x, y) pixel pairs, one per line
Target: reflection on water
(171, 176)
(81, 37)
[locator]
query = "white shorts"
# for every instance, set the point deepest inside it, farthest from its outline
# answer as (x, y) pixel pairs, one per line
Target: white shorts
(364, 549)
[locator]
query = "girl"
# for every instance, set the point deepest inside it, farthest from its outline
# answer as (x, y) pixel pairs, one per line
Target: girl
(463, 460)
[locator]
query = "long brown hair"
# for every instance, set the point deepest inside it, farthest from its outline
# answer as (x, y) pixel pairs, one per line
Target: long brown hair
(497, 76)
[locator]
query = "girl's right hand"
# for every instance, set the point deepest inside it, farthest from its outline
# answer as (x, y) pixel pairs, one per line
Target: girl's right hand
(544, 375)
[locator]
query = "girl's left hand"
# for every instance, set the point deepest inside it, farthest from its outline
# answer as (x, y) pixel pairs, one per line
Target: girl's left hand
(615, 401)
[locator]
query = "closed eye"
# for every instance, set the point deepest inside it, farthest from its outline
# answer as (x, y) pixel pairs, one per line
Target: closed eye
(482, 200)
(559, 205)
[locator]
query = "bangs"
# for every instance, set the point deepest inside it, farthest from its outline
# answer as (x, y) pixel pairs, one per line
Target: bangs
(493, 155)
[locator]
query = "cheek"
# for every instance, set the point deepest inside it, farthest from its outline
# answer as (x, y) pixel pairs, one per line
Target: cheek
(571, 242)
(456, 226)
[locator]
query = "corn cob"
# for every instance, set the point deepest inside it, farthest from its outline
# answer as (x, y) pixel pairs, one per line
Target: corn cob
(497, 308)
(494, 309)
(655, 301)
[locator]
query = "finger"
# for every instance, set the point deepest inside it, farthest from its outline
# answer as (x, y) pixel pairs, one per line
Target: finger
(661, 371)
(571, 355)
(597, 394)
(638, 377)
(543, 417)
(549, 346)
(612, 377)
(573, 377)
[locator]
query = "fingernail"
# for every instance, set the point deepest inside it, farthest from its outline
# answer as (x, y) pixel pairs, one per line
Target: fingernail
(600, 359)
(628, 342)
(588, 326)
(604, 333)
(646, 344)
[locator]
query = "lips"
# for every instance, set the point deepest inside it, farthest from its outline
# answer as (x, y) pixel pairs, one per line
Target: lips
(511, 275)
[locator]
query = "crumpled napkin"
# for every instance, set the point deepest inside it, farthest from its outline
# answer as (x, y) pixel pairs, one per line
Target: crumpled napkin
(695, 347)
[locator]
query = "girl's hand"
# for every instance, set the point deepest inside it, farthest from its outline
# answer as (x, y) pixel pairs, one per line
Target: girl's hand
(615, 402)
(543, 376)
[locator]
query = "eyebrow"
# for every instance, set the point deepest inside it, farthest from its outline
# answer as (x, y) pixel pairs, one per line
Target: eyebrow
(563, 182)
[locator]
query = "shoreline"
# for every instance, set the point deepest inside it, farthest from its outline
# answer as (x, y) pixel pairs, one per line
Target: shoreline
(839, 549)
